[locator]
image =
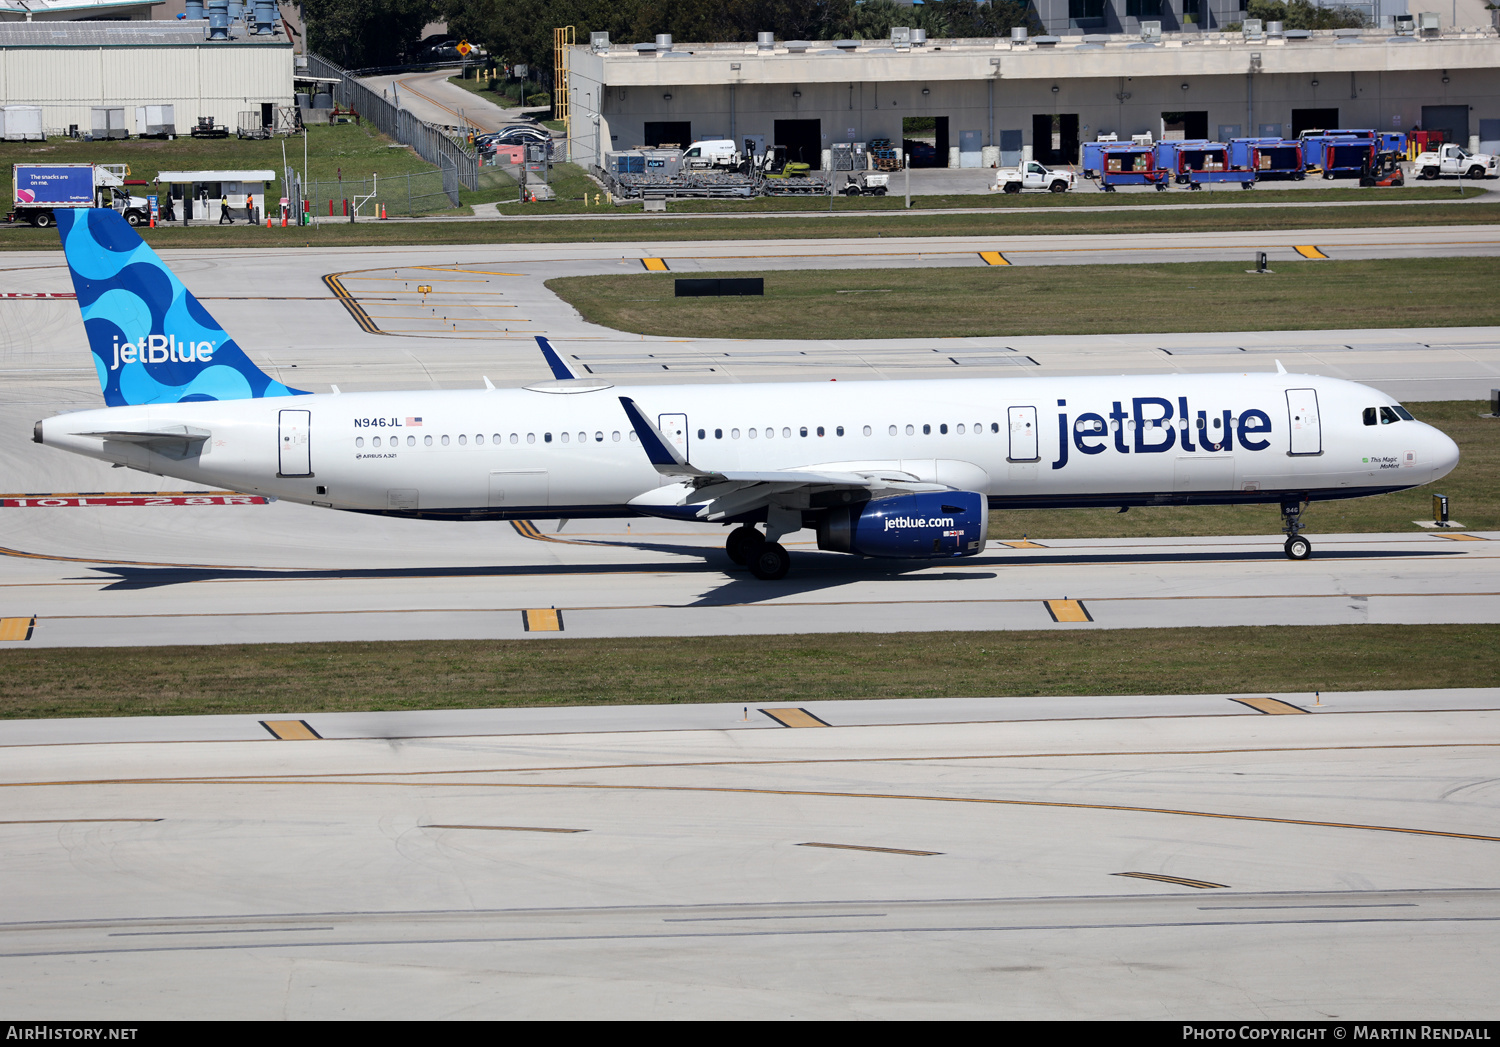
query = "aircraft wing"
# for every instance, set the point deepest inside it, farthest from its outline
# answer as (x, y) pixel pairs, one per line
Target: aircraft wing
(730, 493)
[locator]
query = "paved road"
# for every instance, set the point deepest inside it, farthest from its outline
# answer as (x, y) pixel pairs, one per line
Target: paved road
(430, 97)
(1167, 858)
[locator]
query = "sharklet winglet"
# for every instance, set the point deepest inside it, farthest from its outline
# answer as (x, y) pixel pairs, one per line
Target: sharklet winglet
(560, 369)
(661, 454)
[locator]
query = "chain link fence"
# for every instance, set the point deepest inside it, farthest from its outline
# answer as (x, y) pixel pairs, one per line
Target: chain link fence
(458, 165)
(401, 195)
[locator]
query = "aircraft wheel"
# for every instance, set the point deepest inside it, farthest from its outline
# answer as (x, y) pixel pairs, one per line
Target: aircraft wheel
(1298, 548)
(742, 542)
(770, 562)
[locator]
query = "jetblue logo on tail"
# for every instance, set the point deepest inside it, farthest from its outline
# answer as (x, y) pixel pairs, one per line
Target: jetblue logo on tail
(152, 341)
(157, 349)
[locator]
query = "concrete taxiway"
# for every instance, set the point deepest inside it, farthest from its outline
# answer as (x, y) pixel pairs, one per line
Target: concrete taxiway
(104, 576)
(1145, 857)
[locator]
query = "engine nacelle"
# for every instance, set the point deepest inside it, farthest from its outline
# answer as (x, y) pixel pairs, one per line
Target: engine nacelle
(909, 526)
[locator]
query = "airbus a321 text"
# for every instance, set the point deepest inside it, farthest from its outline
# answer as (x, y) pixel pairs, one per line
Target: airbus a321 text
(903, 469)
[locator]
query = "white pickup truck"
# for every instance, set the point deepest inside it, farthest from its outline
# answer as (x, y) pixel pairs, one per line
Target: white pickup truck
(1455, 161)
(1032, 175)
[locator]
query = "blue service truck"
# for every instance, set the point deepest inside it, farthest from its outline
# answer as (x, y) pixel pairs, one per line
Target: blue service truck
(39, 190)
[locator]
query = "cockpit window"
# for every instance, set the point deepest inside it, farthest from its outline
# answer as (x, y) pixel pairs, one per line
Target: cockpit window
(1371, 415)
(1404, 413)
(1388, 415)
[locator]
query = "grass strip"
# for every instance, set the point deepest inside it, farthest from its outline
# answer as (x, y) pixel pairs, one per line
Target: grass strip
(1017, 300)
(1473, 491)
(465, 674)
(1409, 218)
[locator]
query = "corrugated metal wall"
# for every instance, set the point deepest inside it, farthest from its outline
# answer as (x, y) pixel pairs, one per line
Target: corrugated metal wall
(200, 81)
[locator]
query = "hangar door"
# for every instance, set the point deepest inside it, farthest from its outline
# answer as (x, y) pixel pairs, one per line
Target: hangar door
(803, 140)
(1313, 120)
(1452, 120)
(668, 132)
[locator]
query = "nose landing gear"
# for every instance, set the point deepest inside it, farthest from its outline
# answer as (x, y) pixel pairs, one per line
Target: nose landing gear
(1296, 547)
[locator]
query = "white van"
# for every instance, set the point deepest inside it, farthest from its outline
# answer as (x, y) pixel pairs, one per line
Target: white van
(709, 153)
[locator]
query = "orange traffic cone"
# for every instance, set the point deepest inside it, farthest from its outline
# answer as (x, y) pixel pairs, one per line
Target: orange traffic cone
(283, 220)
(268, 221)
(382, 212)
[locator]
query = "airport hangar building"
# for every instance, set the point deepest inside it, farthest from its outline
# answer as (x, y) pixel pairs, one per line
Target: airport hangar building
(993, 100)
(72, 69)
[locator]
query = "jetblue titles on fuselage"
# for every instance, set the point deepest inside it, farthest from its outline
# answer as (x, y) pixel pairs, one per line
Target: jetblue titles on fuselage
(1151, 429)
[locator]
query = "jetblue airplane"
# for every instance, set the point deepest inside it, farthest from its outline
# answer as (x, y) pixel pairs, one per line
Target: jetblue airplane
(905, 469)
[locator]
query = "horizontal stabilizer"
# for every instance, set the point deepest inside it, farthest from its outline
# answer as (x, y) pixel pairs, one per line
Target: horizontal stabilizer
(172, 441)
(172, 433)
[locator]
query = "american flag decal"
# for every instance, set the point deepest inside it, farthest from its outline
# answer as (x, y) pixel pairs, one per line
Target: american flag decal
(413, 421)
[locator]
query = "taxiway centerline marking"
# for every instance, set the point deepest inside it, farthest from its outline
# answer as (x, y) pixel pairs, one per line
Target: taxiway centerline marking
(834, 794)
(1200, 884)
(863, 847)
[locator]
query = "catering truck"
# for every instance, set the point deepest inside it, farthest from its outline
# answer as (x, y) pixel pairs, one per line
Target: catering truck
(38, 190)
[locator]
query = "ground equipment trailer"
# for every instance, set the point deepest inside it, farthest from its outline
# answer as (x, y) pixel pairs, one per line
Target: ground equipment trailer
(1341, 152)
(1123, 163)
(1192, 163)
(39, 190)
(1268, 158)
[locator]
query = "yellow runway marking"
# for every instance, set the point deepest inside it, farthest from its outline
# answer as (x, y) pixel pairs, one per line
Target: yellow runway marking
(1201, 884)
(1308, 251)
(795, 718)
(1462, 537)
(861, 847)
(820, 793)
(1068, 611)
(1024, 544)
(291, 730)
(449, 269)
(17, 628)
(1270, 706)
(994, 258)
(655, 265)
(542, 620)
(508, 828)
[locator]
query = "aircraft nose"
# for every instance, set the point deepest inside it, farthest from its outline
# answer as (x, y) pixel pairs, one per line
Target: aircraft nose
(1443, 454)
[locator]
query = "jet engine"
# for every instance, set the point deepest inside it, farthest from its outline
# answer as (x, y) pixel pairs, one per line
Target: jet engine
(908, 526)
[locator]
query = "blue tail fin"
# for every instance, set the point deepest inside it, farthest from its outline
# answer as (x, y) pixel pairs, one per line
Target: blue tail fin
(152, 342)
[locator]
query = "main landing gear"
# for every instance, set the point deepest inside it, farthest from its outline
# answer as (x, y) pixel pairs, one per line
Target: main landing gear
(747, 547)
(1296, 547)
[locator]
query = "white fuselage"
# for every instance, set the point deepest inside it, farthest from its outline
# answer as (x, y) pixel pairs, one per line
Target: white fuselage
(1026, 442)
